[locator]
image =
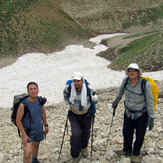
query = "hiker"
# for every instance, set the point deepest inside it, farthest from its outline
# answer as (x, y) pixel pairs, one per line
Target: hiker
(139, 111)
(78, 103)
(31, 125)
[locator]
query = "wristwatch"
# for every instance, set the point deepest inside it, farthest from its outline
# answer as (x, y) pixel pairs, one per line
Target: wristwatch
(46, 125)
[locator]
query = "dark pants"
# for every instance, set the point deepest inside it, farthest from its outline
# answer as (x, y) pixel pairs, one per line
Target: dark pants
(128, 130)
(80, 133)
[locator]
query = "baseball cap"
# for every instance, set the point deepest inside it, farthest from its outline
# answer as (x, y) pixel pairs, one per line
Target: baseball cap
(77, 76)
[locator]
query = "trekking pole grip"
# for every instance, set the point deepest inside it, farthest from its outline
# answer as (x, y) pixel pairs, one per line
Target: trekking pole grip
(114, 112)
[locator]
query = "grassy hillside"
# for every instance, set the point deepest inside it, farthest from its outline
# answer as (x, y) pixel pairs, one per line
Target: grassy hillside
(146, 51)
(35, 25)
(49, 25)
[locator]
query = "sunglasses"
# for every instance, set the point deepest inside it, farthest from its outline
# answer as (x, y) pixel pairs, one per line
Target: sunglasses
(132, 69)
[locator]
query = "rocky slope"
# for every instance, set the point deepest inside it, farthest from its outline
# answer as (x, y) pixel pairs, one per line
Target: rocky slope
(103, 149)
(111, 16)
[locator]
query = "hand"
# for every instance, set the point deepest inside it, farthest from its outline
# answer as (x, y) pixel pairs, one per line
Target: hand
(46, 130)
(94, 98)
(115, 103)
(68, 106)
(25, 139)
(150, 123)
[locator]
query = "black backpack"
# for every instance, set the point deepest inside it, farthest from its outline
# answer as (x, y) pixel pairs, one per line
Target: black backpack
(21, 99)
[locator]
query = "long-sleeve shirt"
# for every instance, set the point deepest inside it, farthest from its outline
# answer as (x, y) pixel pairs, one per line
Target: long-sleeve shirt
(136, 101)
(77, 100)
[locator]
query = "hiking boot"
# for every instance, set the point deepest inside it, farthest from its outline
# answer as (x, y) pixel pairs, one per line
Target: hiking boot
(76, 160)
(134, 159)
(122, 152)
(84, 152)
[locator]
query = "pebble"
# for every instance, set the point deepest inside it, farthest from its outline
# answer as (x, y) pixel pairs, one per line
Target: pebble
(103, 148)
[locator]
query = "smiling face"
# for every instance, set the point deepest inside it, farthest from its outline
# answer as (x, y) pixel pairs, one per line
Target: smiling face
(78, 84)
(33, 90)
(133, 73)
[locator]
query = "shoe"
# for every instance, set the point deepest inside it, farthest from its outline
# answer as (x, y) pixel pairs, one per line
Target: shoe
(76, 160)
(84, 152)
(134, 159)
(122, 152)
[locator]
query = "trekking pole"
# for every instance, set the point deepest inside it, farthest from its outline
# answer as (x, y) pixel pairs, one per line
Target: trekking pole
(111, 125)
(63, 138)
(92, 136)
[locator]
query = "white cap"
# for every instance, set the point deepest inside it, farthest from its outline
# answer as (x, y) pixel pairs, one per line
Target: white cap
(77, 76)
(133, 65)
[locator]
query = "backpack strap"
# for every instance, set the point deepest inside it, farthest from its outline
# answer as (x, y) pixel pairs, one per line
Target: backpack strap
(86, 83)
(143, 87)
(143, 83)
(126, 82)
(135, 111)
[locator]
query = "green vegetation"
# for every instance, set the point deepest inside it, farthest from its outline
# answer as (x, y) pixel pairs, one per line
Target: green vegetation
(140, 34)
(143, 17)
(35, 25)
(50, 25)
(11, 22)
(147, 52)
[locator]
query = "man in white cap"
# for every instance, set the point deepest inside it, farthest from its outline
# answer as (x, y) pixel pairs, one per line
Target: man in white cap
(79, 97)
(139, 111)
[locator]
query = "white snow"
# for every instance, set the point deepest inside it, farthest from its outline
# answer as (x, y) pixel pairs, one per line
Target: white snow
(51, 71)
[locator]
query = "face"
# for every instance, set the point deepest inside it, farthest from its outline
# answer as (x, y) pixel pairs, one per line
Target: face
(133, 73)
(33, 90)
(78, 84)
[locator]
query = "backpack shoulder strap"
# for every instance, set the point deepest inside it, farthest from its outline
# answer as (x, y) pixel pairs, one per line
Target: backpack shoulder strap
(69, 89)
(126, 82)
(88, 90)
(25, 108)
(86, 83)
(143, 85)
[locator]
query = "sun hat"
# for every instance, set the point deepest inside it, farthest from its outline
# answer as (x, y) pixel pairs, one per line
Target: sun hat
(77, 76)
(134, 66)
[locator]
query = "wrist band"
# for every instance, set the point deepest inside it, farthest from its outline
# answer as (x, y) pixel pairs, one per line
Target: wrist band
(46, 125)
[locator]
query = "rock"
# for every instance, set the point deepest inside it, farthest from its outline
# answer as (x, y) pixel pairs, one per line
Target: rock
(102, 147)
(43, 157)
(126, 160)
(1, 157)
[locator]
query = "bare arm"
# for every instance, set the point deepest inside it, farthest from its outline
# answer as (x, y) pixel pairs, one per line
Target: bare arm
(44, 120)
(19, 124)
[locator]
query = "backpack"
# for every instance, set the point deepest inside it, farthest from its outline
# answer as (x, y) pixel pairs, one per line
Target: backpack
(154, 87)
(155, 90)
(17, 100)
(92, 110)
(21, 99)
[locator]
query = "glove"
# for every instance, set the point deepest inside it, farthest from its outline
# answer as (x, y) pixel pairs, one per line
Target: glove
(94, 98)
(68, 107)
(115, 103)
(150, 123)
